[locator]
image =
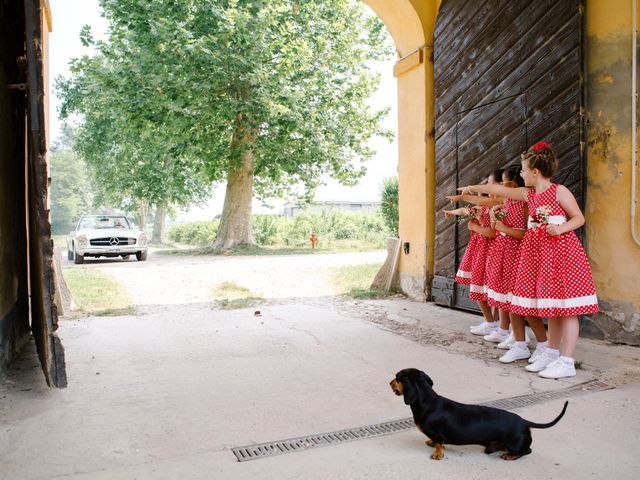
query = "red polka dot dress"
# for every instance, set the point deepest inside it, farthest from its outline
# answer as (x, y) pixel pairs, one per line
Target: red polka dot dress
(553, 277)
(472, 268)
(502, 259)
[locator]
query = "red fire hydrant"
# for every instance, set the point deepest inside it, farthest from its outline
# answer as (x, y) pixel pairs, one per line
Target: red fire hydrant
(314, 239)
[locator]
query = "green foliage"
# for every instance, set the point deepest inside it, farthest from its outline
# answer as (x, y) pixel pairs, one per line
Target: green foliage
(194, 233)
(179, 91)
(389, 208)
(268, 229)
(334, 228)
(71, 191)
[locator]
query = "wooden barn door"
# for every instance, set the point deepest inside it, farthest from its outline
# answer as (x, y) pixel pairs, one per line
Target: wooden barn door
(508, 73)
(44, 314)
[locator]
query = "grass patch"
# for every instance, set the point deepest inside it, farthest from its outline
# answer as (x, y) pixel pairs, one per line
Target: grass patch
(578, 364)
(231, 296)
(354, 280)
(361, 294)
(96, 293)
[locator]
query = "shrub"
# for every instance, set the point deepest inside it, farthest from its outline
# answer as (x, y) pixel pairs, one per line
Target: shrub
(335, 229)
(194, 233)
(268, 229)
(389, 207)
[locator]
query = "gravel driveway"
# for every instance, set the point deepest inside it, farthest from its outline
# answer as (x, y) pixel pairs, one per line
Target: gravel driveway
(179, 279)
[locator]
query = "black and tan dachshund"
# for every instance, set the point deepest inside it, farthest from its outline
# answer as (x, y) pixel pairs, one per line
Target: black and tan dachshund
(445, 421)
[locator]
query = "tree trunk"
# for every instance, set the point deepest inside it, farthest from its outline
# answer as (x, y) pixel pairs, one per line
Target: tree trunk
(159, 224)
(142, 212)
(235, 224)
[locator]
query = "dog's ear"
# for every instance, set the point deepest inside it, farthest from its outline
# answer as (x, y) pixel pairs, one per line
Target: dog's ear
(410, 391)
(427, 378)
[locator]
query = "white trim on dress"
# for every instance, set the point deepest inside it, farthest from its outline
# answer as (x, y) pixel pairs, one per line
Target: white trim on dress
(541, 303)
(463, 274)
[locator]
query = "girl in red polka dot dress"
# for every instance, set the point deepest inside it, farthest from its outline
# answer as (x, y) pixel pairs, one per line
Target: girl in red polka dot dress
(502, 260)
(472, 268)
(553, 277)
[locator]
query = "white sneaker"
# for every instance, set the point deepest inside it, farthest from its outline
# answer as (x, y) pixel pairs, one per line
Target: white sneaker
(515, 353)
(508, 343)
(485, 328)
(541, 362)
(496, 337)
(475, 327)
(536, 353)
(558, 369)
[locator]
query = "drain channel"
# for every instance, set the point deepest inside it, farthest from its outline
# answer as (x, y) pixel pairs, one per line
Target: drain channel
(291, 445)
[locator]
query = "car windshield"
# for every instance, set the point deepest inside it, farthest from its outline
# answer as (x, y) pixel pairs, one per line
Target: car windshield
(104, 222)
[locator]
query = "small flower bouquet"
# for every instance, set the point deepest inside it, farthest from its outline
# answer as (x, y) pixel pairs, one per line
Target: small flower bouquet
(473, 213)
(542, 217)
(499, 212)
(542, 214)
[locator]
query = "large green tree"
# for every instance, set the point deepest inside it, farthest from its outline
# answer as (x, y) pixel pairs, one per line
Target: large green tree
(266, 95)
(71, 190)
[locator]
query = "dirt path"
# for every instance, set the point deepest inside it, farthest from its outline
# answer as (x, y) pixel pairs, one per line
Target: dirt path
(168, 279)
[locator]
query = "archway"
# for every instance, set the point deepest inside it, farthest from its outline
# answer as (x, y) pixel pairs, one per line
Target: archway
(411, 25)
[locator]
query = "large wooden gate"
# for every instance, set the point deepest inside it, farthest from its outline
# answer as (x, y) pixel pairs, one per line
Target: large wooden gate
(508, 73)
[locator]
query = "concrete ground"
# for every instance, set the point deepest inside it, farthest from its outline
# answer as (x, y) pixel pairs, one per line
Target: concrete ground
(169, 392)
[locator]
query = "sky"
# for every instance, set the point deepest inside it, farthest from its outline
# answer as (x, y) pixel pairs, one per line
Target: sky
(70, 15)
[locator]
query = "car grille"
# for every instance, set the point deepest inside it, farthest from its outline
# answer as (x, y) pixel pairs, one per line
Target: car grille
(112, 241)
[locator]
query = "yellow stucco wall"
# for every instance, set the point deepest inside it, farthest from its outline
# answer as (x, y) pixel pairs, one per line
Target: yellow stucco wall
(614, 256)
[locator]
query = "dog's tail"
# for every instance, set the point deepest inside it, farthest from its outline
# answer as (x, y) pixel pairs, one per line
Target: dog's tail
(550, 424)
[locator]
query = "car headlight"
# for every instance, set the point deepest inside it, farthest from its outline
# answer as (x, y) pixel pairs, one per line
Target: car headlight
(82, 240)
(142, 240)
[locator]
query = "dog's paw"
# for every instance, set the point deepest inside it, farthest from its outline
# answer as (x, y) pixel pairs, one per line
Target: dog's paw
(508, 456)
(430, 443)
(439, 453)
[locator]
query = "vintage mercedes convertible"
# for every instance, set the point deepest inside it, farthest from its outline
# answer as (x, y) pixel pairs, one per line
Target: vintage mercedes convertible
(106, 236)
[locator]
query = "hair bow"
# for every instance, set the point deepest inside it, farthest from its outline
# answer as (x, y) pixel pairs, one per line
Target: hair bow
(539, 146)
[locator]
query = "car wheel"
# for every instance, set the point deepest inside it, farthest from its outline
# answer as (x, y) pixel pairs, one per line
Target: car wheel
(69, 254)
(77, 258)
(141, 256)
(125, 257)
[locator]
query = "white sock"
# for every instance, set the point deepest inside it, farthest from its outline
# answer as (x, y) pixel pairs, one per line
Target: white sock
(553, 353)
(542, 344)
(502, 331)
(568, 361)
(520, 345)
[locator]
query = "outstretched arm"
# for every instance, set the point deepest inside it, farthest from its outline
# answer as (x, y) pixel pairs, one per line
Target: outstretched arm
(498, 190)
(461, 212)
(476, 200)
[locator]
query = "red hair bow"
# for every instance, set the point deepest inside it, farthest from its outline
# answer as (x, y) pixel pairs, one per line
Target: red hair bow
(539, 146)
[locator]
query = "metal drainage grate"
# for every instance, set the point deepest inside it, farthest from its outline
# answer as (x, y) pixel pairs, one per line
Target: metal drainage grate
(261, 450)
(534, 398)
(291, 445)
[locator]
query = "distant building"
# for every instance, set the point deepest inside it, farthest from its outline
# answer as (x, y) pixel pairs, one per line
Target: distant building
(291, 209)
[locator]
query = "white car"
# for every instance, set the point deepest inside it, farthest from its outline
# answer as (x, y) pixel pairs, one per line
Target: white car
(106, 236)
